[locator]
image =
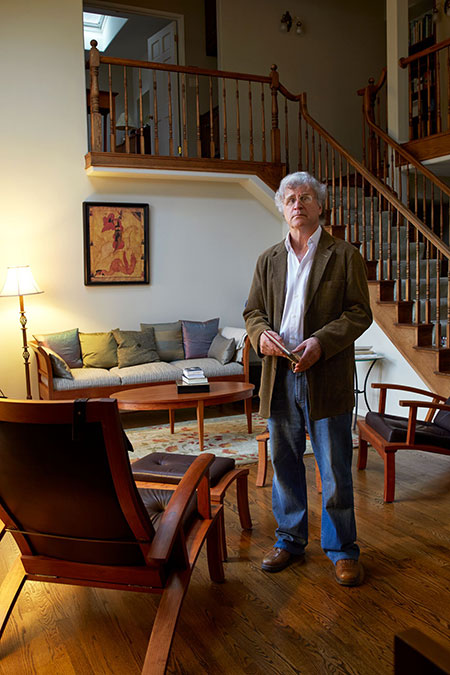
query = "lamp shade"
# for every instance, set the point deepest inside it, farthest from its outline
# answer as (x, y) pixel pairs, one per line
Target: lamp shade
(20, 281)
(120, 124)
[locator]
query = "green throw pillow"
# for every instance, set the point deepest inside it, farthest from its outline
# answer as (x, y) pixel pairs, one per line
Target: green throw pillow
(168, 338)
(135, 347)
(98, 350)
(66, 344)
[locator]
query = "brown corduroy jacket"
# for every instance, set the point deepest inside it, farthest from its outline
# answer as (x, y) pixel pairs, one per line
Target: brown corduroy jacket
(337, 311)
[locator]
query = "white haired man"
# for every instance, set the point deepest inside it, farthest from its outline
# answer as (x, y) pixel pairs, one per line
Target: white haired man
(309, 291)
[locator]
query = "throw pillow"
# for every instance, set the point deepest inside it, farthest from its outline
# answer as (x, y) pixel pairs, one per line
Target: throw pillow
(98, 350)
(59, 366)
(66, 344)
(222, 349)
(135, 347)
(197, 337)
(168, 338)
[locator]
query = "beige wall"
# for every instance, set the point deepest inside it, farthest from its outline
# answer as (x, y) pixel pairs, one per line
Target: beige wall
(204, 236)
(343, 45)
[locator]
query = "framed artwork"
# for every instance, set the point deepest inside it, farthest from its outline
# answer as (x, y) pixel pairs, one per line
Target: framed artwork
(116, 246)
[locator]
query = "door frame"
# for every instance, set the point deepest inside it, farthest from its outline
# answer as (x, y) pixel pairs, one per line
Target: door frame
(100, 5)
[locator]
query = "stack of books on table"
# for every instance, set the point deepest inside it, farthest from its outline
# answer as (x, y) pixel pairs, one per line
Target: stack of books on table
(193, 380)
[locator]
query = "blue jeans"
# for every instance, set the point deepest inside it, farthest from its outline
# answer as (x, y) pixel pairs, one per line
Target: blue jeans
(331, 440)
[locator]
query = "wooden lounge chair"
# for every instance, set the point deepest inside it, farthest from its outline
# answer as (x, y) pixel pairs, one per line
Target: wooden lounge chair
(68, 497)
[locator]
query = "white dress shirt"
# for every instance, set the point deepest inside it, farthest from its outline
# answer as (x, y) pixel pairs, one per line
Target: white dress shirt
(291, 329)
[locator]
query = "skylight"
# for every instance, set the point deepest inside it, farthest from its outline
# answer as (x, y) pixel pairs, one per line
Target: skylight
(102, 28)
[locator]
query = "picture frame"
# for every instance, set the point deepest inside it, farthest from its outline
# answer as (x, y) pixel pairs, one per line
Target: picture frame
(116, 243)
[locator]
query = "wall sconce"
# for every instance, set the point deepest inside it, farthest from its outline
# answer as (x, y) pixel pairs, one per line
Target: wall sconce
(298, 26)
(20, 282)
(286, 23)
(447, 7)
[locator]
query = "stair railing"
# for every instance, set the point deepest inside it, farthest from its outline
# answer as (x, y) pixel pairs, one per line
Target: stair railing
(403, 253)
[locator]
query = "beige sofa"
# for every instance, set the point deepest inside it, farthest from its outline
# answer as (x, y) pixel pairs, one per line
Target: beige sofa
(98, 382)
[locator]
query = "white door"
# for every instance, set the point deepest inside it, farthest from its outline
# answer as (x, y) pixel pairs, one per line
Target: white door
(162, 48)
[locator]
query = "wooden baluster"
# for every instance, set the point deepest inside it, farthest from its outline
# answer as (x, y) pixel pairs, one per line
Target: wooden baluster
(447, 331)
(408, 250)
(389, 242)
(225, 127)
(333, 188)
(313, 151)
(319, 155)
(363, 218)
(398, 276)
(364, 151)
(381, 274)
(169, 93)
(437, 61)
(300, 136)
(286, 135)
(437, 329)
(392, 171)
(372, 226)
(141, 117)
(197, 108)
(112, 114)
(424, 200)
(417, 301)
(327, 202)
(349, 223)
(410, 103)
(416, 191)
(250, 121)
(263, 125)
(275, 133)
(428, 85)
(238, 124)
(94, 96)
(427, 283)
(341, 194)
(183, 98)
(419, 102)
(306, 145)
(212, 148)
(125, 94)
(399, 224)
(155, 113)
(356, 224)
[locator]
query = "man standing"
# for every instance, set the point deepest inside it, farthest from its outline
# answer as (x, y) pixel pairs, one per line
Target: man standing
(310, 291)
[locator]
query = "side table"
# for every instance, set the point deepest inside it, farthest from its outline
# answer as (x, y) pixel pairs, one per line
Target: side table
(359, 358)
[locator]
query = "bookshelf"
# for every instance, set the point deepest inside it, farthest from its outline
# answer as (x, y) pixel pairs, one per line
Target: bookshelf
(422, 74)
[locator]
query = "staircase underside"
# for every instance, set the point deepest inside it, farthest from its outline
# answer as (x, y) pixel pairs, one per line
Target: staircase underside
(405, 338)
(437, 145)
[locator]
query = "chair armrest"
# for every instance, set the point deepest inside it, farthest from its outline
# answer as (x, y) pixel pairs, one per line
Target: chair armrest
(384, 387)
(171, 520)
(413, 406)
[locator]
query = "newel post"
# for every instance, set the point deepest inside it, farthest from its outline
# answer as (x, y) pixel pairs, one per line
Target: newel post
(96, 118)
(275, 132)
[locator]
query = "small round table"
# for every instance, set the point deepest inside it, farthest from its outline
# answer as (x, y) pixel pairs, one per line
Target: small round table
(166, 397)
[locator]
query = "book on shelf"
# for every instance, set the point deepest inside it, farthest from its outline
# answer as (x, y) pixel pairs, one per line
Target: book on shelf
(183, 388)
(194, 380)
(193, 372)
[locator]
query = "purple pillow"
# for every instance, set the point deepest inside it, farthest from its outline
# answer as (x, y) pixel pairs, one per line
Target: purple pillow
(197, 337)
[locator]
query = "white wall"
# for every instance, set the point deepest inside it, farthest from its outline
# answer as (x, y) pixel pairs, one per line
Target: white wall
(204, 237)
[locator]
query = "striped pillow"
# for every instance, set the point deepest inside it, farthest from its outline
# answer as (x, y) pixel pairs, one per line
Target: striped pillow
(168, 338)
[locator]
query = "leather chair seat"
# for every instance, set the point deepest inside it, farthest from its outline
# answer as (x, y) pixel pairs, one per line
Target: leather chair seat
(393, 429)
(170, 467)
(156, 501)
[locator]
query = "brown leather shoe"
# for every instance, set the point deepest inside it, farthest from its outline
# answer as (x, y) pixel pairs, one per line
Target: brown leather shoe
(349, 572)
(278, 559)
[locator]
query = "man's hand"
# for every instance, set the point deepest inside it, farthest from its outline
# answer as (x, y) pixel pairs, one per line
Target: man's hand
(269, 348)
(312, 351)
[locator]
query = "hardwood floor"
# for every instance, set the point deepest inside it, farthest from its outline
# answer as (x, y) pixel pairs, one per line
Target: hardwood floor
(296, 621)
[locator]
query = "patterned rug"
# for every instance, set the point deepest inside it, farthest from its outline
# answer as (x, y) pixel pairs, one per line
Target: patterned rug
(224, 437)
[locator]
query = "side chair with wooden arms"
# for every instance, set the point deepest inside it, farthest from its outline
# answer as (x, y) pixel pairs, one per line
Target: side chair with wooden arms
(390, 433)
(68, 498)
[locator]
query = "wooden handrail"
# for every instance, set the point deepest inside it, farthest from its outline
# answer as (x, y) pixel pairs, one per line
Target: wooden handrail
(376, 183)
(407, 156)
(406, 60)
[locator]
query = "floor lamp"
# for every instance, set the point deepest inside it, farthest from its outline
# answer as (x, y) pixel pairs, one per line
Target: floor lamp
(19, 281)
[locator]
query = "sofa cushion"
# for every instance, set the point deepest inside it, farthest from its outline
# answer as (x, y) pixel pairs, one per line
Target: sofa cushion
(66, 344)
(135, 347)
(168, 338)
(84, 378)
(197, 337)
(59, 366)
(222, 349)
(98, 350)
(159, 371)
(211, 367)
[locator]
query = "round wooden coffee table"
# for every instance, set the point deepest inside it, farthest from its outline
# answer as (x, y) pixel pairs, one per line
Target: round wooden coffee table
(166, 397)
